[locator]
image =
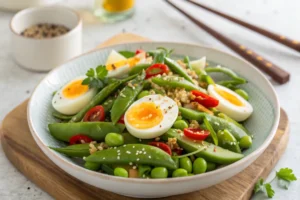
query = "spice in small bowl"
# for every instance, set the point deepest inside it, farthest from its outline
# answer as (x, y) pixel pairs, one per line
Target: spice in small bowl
(45, 30)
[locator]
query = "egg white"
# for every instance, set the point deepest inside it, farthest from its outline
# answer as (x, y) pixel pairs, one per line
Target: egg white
(168, 120)
(72, 106)
(238, 113)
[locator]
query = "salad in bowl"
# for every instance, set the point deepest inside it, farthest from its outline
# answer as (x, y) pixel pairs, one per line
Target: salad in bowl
(145, 115)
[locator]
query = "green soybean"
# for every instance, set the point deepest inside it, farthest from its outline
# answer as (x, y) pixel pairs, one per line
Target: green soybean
(179, 173)
(245, 142)
(180, 124)
(143, 94)
(159, 172)
(190, 174)
(92, 166)
(199, 166)
(119, 171)
(242, 93)
(186, 163)
(114, 139)
(211, 166)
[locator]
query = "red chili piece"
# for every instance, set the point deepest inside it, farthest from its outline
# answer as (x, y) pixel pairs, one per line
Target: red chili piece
(95, 114)
(80, 139)
(196, 133)
(121, 120)
(138, 51)
(162, 146)
(204, 99)
(156, 69)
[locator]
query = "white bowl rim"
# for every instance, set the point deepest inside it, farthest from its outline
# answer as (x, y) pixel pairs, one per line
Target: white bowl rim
(165, 180)
(32, 9)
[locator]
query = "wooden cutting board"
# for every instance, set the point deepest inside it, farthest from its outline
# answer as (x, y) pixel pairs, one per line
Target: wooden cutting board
(21, 149)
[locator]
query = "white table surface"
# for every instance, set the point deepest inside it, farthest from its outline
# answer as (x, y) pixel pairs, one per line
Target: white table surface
(156, 20)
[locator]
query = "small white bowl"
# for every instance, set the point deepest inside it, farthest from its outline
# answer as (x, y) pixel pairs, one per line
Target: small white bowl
(45, 54)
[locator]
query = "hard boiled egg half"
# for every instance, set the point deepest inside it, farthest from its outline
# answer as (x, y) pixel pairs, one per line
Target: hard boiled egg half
(72, 97)
(230, 102)
(151, 116)
(118, 66)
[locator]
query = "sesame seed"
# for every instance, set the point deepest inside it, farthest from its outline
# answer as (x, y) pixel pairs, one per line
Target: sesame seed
(134, 167)
(145, 152)
(103, 158)
(130, 163)
(143, 149)
(149, 156)
(118, 150)
(137, 159)
(128, 152)
(133, 147)
(118, 157)
(124, 145)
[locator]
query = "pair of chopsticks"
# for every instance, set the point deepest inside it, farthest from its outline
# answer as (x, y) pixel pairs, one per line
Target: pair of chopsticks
(279, 75)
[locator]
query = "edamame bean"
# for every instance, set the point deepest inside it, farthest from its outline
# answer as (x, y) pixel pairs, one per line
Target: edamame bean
(179, 173)
(119, 171)
(159, 172)
(186, 163)
(180, 124)
(114, 139)
(191, 174)
(92, 166)
(245, 142)
(242, 93)
(199, 166)
(143, 94)
(210, 166)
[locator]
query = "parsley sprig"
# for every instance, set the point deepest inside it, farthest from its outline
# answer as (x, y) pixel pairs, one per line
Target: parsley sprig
(96, 78)
(284, 176)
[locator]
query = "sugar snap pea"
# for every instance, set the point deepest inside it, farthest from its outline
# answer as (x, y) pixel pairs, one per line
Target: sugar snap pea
(138, 69)
(126, 98)
(213, 134)
(95, 130)
(133, 153)
(61, 116)
(107, 169)
(210, 152)
(176, 68)
(100, 97)
(76, 150)
(108, 103)
(227, 141)
(92, 166)
(227, 118)
(144, 170)
(176, 82)
(216, 122)
(226, 71)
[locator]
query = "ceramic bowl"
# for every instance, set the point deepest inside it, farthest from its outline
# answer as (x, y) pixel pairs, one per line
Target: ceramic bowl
(263, 123)
(46, 54)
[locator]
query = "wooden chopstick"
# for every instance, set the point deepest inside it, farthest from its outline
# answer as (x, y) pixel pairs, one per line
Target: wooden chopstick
(294, 44)
(279, 75)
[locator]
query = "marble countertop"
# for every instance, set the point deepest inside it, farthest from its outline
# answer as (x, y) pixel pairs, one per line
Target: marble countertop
(155, 20)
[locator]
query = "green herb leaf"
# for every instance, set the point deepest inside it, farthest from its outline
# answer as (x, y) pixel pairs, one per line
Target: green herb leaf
(259, 186)
(86, 81)
(269, 190)
(286, 174)
(101, 72)
(90, 73)
(127, 54)
(211, 130)
(96, 83)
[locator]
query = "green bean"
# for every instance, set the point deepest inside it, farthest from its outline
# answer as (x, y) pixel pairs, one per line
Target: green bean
(226, 71)
(228, 119)
(76, 150)
(100, 97)
(176, 82)
(159, 172)
(126, 97)
(179, 173)
(211, 153)
(176, 68)
(127, 154)
(180, 124)
(245, 142)
(199, 166)
(211, 166)
(127, 54)
(207, 79)
(186, 163)
(143, 94)
(231, 84)
(95, 130)
(216, 122)
(114, 139)
(211, 130)
(144, 170)
(186, 60)
(92, 166)
(107, 169)
(227, 141)
(138, 69)
(159, 91)
(119, 171)
(158, 56)
(243, 94)
(61, 116)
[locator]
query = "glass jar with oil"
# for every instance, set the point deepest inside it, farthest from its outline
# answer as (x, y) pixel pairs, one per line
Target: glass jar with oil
(113, 10)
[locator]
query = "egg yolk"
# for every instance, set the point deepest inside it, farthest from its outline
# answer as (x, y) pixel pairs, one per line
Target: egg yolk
(75, 89)
(229, 97)
(144, 115)
(130, 62)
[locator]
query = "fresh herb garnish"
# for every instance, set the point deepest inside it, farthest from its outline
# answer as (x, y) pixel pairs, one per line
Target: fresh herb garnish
(96, 78)
(285, 176)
